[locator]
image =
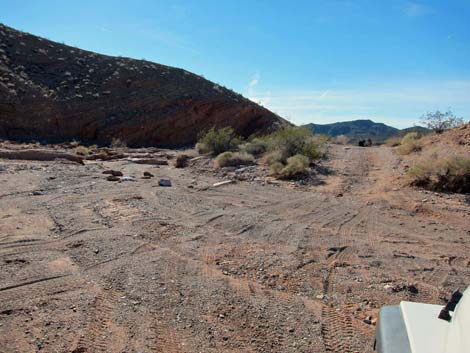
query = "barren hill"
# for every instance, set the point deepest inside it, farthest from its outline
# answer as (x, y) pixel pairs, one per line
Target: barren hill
(54, 92)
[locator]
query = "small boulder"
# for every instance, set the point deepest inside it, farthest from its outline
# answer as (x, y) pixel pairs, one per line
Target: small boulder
(113, 178)
(115, 173)
(164, 182)
(148, 175)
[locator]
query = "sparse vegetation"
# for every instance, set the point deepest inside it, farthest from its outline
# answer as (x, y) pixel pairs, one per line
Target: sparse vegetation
(341, 140)
(217, 141)
(256, 147)
(296, 166)
(442, 171)
(393, 141)
(291, 141)
(117, 143)
(181, 160)
(440, 122)
(233, 159)
(410, 143)
(82, 150)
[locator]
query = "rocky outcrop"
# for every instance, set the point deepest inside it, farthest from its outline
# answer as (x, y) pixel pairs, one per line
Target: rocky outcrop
(52, 92)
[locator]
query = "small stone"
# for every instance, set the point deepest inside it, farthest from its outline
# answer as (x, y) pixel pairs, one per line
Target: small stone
(164, 182)
(113, 178)
(113, 172)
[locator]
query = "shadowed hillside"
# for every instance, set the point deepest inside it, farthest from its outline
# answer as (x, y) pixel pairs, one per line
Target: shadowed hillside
(53, 92)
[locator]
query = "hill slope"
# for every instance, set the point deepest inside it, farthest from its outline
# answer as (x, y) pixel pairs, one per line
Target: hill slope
(53, 92)
(356, 130)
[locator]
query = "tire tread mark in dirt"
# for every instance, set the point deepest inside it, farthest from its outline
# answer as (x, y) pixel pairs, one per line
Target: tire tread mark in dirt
(96, 339)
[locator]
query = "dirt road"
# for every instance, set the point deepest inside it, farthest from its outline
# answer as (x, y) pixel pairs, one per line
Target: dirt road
(89, 265)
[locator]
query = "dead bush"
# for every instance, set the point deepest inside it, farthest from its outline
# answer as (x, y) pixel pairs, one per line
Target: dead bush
(181, 160)
(393, 141)
(341, 140)
(442, 171)
(233, 159)
(82, 151)
(410, 143)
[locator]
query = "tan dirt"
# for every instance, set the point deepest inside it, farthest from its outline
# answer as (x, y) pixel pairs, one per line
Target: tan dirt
(89, 265)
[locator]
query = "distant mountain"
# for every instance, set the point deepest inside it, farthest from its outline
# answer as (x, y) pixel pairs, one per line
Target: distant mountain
(356, 130)
(362, 129)
(53, 92)
(419, 129)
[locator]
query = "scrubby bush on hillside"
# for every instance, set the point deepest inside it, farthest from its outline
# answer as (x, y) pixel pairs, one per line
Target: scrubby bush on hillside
(217, 141)
(410, 143)
(442, 171)
(440, 122)
(393, 141)
(233, 159)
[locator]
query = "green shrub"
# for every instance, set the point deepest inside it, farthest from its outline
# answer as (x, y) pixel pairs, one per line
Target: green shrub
(443, 171)
(276, 168)
(256, 147)
(218, 141)
(233, 159)
(296, 166)
(201, 148)
(292, 140)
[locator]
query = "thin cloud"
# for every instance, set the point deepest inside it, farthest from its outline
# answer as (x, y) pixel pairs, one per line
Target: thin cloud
(397, 105)
(252, 84)
(415, 9)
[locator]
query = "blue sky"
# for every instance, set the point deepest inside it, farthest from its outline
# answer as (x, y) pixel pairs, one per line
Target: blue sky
(310, 61)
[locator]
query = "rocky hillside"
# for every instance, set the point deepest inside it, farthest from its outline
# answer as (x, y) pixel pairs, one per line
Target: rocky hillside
(53, 92)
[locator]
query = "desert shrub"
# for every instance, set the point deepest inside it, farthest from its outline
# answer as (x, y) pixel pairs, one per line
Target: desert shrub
(341, 140)
(181, 160)
(117, 143)
(272, 157)
(296, 166)
(393, 141)
(442, 171)
(410, 143)
(292, 140)
(82, 151)
(276, 168)
(256, 147)
(202, 148)
(218, 141)
(233, 159)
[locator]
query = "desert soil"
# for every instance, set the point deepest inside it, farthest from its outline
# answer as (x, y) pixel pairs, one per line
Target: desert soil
(90, 265)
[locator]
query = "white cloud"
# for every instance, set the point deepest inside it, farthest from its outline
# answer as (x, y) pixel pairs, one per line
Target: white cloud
(415, 9)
